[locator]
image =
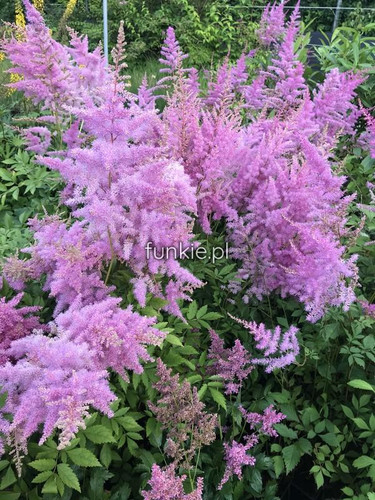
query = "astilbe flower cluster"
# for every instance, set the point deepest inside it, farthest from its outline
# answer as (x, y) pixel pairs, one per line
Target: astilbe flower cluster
(180, 411)
(165, 485)
(233, 365)
(235, 455)
(266, 421)
(271, 26)
(279, 349)
(15, 323)
(55, 378)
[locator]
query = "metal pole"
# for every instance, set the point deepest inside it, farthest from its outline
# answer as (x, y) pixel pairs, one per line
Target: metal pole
(337, 15)
(105, 30)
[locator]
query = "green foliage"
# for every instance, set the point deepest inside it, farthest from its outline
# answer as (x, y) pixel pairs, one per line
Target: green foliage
(26, 189)
(352, 49)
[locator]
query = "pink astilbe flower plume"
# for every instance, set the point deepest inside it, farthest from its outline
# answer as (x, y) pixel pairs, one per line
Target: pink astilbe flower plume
(54, 377)
(15, 323)
(266, 421)
(271, 26)
(279, 349)
(232, 365)
(236, 457)
(165, 485)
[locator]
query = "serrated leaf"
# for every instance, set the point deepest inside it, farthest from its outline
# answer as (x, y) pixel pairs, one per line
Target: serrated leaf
(192, 310)
(106, 455)
(8, 479)
(211, 316)
(129, 424)
(278, 465)
(99, 434)
(218, 398)
(172, 339)
(331, 439)
(319, 479)
(363, 461)
(361, 384)
(43, 464)
(291, 455)
(202, 311)
(285, 431)
(50, 486)
(68, 477)
(83, 457)
(42, 477)
(202, 391)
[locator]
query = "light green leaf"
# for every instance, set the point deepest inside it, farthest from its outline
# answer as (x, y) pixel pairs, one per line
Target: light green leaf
(172, 339)
(211, 316)
(363, 461)
(50, 486)
(285, 431)
(361, 384)
(42, 477)
(192, 310)
(99, 434)
(218, 398)
(68, 477)
(83, 457)
(278, 464)
(43, 464)
(106, 455)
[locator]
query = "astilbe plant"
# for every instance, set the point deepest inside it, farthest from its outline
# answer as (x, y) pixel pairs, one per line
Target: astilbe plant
(134, 177)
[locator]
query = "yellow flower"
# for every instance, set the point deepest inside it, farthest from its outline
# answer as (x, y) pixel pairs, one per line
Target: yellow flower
(70, 6)
(2, 56)
(14, 77)
(38, 4)
(20, 18)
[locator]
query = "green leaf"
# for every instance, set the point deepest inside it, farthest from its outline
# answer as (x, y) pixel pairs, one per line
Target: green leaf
(8, 495)
(202, 391)
(50, 486)
(172, 339)
(202, 311)
(330, 438)
(106, 455)
(8, 479)
(361, 424)
(291, 455)
(42, 477)
(285, 431)
(218, 398)
(99, 434)
(43, 464)
(363, 461)
(211, 316)
(192, 310)
(83, 457)
(361, 384)
(129, 423)
(68, 477)
(278, 465)
(319, 479)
